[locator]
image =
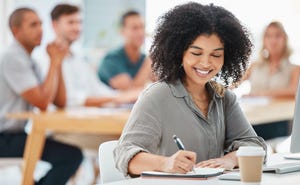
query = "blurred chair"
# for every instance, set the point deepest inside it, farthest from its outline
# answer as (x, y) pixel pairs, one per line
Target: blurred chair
(108, 171)
(10, 170)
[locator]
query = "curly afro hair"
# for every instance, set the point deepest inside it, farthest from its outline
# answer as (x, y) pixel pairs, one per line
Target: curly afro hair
(180, 26)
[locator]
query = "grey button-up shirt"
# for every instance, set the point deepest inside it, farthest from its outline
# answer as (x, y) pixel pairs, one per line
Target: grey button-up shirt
(167, 109)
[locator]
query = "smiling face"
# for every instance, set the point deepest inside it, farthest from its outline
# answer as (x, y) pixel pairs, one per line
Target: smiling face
(203, 59)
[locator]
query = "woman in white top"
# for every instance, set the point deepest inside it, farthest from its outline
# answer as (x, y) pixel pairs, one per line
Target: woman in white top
(273, 74)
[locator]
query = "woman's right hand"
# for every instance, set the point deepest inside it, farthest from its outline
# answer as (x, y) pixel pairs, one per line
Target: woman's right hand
(181, 162)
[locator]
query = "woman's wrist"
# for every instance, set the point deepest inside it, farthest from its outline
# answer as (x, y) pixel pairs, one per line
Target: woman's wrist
(232, 157)
(161, 163)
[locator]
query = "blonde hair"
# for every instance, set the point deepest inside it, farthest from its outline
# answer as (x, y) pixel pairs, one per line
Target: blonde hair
(286, 50)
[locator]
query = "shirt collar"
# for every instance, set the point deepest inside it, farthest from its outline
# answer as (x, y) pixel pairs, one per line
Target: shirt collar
(20, 47)
(178, 90)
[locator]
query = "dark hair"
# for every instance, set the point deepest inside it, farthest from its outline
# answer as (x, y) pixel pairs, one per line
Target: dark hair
(128, 14)
(180, 26)
(63, 9)
(16, 17)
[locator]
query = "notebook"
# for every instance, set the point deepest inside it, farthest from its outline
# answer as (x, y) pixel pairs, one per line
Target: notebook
(200, 173)
(282, 168)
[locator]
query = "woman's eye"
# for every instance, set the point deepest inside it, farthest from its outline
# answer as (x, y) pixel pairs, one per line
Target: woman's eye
(196, 54)
(216, 56)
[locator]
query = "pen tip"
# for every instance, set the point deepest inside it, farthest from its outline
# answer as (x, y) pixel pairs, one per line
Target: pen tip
(174, 136)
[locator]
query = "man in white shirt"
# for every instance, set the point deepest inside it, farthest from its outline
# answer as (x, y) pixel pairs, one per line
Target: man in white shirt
(82, 84)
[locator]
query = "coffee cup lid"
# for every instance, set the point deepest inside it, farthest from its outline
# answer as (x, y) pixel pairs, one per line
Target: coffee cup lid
(250, 151)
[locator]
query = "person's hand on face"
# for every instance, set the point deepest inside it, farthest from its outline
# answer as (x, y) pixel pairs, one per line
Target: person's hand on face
(180, 162)
(57, 50)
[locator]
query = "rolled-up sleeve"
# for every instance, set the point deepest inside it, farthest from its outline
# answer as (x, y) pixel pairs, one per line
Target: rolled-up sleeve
(142, 132)
(239, 132)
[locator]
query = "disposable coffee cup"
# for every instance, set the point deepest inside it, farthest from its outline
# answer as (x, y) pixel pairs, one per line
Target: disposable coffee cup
(250, 160)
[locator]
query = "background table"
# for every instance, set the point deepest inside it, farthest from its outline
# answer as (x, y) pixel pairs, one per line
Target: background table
(106, 121)
(260, 110)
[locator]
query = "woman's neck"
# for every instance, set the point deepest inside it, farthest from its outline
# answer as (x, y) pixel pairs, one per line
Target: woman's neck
(196, 90)
(274, 63)
(275, 58)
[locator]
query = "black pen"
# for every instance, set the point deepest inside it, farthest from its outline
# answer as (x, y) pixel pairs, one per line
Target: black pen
(180, 146)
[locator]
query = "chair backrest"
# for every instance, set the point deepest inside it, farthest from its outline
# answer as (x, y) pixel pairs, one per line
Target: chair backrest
(108, 171)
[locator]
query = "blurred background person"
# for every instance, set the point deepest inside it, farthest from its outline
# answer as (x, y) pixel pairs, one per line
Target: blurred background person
(82, 84)
(22, 89)
(127, 67)
(273, 74)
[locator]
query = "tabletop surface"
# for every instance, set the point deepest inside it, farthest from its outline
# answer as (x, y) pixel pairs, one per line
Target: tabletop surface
(267, 178)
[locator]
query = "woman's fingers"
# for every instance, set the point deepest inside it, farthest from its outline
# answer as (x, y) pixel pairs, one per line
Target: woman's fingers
(212, 163)
(186, 164)
(182, 168)
(181, 162)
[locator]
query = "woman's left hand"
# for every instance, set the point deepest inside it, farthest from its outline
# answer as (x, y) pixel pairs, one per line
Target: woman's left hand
(228, 162)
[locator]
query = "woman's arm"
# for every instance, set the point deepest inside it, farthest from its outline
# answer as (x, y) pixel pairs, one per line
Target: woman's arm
(238, 133)
(180, 162)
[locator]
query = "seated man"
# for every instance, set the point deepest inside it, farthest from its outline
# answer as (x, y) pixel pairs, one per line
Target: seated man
(127, 67)
(82, 84)
(22, 89)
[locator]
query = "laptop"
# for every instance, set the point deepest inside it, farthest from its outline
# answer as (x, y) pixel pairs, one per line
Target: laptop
(292, 166)
(295, 138)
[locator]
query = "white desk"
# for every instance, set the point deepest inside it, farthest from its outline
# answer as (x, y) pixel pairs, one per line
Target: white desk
(267, 178)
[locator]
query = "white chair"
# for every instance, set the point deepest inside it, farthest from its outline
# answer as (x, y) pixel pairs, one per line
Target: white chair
(10, 170)
(108, 171)
(10, 161)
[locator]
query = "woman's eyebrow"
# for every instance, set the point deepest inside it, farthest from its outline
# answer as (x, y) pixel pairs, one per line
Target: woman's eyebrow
(196, 47)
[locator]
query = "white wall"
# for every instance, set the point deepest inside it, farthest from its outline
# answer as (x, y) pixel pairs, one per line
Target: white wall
(4, 31)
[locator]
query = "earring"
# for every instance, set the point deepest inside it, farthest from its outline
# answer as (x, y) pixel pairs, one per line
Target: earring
(265, 53)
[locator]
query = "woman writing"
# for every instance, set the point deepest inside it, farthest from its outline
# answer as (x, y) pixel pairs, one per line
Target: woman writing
(193, 45)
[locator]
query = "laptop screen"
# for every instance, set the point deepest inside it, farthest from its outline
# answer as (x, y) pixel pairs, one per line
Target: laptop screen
(295, 139)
